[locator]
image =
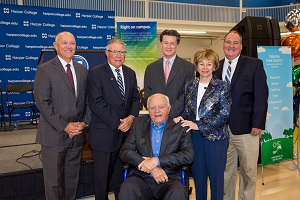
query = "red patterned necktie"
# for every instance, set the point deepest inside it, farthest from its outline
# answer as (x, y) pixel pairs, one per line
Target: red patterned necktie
(70, 76)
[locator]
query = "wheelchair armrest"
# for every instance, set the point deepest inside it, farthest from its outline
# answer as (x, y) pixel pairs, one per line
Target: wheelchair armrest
(184, 175)
(126, 166)
(126, 170)
(185, 168)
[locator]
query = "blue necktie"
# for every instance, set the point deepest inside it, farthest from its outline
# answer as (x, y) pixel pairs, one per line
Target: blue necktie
(228, 73)
(120, 83)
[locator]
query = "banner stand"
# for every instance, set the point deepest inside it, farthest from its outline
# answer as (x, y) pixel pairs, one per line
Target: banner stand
(296, 163)
(277, 139)
(262, 175)
(294, 167)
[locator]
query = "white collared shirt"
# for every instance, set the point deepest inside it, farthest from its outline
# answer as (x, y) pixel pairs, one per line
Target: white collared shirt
(232, 65)
(113, 69)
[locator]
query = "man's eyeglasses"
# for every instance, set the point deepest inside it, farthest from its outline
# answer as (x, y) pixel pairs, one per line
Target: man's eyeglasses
(115, 52)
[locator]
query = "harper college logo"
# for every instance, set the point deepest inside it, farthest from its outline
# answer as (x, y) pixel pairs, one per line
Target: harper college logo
(27, 69)
(80, 59)
(7, 57)
(25, 23)
(5, 10)
(44, 35)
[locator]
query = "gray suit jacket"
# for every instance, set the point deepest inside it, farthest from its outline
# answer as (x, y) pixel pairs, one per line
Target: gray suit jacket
(57, 102)
(176, 147)
(181, 73)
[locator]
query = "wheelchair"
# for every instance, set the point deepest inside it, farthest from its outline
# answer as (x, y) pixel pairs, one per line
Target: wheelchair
(185, 170)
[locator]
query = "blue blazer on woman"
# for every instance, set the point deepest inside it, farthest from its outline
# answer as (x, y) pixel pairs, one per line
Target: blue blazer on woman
(214, 108)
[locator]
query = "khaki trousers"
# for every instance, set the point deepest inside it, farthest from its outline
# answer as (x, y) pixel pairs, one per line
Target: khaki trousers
(244, 148)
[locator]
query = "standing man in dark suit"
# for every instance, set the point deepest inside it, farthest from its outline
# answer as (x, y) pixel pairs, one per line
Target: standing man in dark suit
(169, 74)
(156, 147)
(249, 93)
(114, 101)
(61, 96)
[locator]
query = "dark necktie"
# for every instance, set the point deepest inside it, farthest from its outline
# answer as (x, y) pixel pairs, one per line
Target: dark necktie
(120, 83)
(228, 73)
(70, 76)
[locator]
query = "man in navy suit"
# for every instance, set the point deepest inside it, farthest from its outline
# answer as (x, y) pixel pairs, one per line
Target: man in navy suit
(249, 93)
(169, 82)
(114, 101)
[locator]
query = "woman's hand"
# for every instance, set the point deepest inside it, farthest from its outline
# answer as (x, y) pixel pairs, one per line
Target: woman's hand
(190, 124)
(178, 119)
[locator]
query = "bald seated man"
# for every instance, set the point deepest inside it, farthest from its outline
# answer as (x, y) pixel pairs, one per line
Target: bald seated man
(156, 147)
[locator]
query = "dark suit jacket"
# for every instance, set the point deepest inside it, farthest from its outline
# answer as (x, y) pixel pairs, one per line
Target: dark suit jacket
(57, 102)
(108, 107)
(181, 73)
(176, 148)
(249, 93)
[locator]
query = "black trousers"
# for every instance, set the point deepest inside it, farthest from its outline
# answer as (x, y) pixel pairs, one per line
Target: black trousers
(138, 188)
(107, 165)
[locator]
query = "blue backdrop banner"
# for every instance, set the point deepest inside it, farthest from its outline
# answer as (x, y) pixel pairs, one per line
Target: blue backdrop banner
(26, 31)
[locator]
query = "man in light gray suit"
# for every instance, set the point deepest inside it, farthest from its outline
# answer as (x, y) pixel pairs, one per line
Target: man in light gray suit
(169, 74)
(60, 93)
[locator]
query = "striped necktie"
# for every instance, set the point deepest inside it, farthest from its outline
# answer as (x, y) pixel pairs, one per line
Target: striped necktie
(120, 83)
(228, 73)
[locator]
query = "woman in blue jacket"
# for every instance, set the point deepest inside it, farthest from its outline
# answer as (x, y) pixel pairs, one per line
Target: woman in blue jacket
(207, 108)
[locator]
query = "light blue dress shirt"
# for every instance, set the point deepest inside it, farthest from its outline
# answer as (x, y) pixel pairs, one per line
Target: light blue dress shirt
(156, 137)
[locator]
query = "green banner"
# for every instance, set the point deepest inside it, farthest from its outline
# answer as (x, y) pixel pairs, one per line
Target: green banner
(141, 46)
(277, 139)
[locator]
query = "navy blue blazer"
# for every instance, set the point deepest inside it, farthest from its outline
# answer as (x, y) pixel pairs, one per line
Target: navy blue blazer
(108, 107)
(214, 108)
(249, 91)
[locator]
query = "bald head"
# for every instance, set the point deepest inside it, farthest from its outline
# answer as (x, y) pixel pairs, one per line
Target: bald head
(159, 108)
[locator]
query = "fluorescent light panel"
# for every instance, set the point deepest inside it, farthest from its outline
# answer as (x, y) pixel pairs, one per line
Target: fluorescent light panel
(191, 32)
(288, 33)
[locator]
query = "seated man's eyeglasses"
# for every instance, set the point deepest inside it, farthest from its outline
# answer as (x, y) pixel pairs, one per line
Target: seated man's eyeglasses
(115, 52)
